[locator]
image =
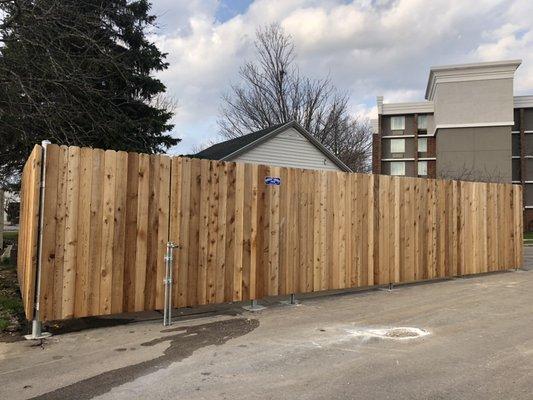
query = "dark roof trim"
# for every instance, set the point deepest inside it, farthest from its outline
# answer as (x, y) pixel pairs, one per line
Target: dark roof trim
(301, 130)
(222, 149)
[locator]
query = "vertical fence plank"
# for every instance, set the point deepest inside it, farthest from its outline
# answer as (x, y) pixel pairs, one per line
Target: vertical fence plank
(317, 231)
(203, 231)
(220, 261)
(179, 270)
(130, 248)
(261, 223)
(190, 226)
(333, 229)
(294, 235)
(231, 262)
(517, 210)
(50, 224)
(212, 232)
(143, 196)
(81, 303)
(59, 261)
(108, 230)
(152, 234)
(95, 232)
(29, 220)
(254, 232)
(364, 234)
(71, 231)
(284, 210)
(382, 272)
(395, 277)
(119, 235)
(237, 263)
(341, 207)
(163, 203)
(274, 236)
(247, 223)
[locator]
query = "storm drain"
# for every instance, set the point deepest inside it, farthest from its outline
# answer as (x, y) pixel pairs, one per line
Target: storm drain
(397, 333)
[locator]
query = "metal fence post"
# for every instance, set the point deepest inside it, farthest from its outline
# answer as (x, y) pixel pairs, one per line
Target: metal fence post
(254, 306)
(293, 300)
(36, 324)
(167, 311)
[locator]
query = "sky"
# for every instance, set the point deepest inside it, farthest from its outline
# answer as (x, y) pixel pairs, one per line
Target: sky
(367, 48)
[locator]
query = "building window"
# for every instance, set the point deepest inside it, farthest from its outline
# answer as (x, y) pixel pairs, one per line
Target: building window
(397, 168)
(422, 145)
(397, 123)
(422, 168)
(422, 122)
(397, 146)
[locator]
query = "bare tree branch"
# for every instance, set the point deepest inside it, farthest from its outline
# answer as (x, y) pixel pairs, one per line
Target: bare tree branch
(272, 91)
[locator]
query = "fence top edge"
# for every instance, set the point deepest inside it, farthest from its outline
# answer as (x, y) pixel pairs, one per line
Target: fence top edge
(280, 168)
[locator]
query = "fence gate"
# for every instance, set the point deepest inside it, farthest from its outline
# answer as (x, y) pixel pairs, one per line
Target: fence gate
(108, 217)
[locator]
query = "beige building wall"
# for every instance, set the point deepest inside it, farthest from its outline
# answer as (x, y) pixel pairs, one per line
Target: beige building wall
(474, 102)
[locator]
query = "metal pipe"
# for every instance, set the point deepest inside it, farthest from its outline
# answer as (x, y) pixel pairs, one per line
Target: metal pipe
(36, 325)
(167, 311)
(170, 256)
(165, 282)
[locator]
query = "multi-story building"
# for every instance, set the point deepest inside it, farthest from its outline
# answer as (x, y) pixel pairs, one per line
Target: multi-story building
(471, 126)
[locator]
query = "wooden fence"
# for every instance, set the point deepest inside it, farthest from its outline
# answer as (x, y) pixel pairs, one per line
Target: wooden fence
(29, 223)
(108, 217)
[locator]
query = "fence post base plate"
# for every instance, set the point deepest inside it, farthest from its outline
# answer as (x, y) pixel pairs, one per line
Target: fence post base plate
(37, 330)
(43, 335)
(291, 302)
(254, 306)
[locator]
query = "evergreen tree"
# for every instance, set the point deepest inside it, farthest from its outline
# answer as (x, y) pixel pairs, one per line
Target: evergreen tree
(79, 72)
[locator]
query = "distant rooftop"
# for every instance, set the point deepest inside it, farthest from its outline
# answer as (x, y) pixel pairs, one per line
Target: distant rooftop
(223, 149)
(469, 72)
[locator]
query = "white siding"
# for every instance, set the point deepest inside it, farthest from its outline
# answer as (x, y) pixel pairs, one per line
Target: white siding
(288, 149)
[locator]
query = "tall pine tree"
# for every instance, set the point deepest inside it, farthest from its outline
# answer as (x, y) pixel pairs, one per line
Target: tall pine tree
(79, 72)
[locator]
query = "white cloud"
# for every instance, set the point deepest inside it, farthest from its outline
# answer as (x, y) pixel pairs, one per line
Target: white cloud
(366, 47)
(513, 39)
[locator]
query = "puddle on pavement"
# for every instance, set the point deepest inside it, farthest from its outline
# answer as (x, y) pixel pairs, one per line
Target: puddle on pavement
(396, 333)
(335, 335)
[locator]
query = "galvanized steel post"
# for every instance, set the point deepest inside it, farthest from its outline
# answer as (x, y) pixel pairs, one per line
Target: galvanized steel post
(36, 324)
(167, 311)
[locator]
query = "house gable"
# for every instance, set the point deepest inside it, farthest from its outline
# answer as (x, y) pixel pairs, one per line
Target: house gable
(288, 148)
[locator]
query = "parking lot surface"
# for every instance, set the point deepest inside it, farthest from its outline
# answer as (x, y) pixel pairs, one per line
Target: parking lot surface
(479, 345)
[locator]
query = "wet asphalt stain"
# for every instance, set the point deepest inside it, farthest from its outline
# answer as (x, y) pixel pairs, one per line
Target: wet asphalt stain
(182, 345)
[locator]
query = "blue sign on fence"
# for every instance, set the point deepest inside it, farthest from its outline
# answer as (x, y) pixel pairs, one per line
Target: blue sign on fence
(272, 180)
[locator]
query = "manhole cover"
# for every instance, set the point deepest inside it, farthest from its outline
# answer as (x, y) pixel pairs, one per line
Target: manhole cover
(398, 333)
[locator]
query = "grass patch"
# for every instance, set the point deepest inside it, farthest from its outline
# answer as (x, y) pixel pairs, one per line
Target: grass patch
(4, 323)
(11, 308)
(11, 236)
(528, 236)
(10, 304)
